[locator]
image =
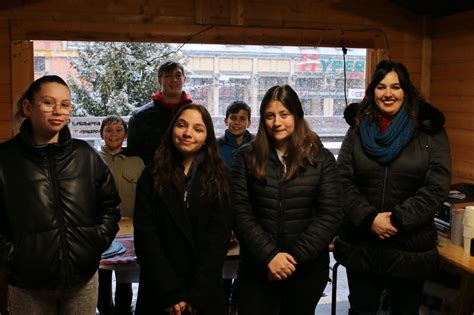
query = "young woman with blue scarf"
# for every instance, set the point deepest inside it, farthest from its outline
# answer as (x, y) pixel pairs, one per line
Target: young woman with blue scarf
(396, 170)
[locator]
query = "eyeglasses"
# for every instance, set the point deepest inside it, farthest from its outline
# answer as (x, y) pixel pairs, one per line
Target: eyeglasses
(48, 105)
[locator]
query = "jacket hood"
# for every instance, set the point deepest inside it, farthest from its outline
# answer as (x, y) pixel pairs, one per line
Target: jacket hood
(430, 119)
(185, 99)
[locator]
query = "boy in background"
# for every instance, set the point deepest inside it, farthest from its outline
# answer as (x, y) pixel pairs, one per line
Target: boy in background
(126, 171)
(149, 122)
(237, 120)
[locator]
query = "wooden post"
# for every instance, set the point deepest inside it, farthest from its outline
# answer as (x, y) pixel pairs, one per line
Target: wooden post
(426, 52)
(374, 56)
(22, 74)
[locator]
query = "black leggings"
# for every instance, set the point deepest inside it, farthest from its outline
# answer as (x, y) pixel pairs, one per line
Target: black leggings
(366, 298)
(299, 295)
(123, 295)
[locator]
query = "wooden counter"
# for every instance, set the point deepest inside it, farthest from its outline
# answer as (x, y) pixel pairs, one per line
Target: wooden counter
(455, 256)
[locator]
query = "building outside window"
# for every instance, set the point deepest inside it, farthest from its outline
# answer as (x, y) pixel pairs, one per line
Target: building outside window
(40, 64)
(217, 75)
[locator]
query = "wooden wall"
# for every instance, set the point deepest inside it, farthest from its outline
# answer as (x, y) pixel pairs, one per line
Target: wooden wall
(377, 24)
(16, 72)
(452, 86)
(5, 82)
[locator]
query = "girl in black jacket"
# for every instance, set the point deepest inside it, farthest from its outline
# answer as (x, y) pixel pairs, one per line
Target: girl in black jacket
(182, 221)
(395, 165)
(58, 208)
(286, 202)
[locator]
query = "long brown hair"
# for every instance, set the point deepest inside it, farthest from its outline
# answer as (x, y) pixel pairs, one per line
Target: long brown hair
(168, 168)
(369, 107)
(303, 144)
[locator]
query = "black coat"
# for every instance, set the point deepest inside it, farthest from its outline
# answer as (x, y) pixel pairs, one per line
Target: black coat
(146, 127)
(300, 216)
(413, 187)
(180, 251)
(58, 211)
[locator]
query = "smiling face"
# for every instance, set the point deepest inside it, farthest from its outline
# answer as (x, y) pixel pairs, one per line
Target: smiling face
(172, 83)
(389, 95)
(113, 134)
(49, 111)
(279, 124)
(238, 122)
(189, 133)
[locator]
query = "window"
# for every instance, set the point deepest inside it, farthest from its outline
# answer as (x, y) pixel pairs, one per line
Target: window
(217, 75)
(40, 64)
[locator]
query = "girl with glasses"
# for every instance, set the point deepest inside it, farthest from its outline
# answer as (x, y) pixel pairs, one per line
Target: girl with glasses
(58, 208)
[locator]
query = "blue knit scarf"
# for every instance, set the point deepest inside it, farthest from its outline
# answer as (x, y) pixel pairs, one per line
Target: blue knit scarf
(384, 147)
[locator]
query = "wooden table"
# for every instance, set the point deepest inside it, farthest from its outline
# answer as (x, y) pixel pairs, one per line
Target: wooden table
(126, 226)
(124, 272)
(454, 255)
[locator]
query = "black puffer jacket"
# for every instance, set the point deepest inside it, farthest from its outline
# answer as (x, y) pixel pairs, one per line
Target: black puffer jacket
(412, 186)
(58, 211)
(146, 127)
(299, 217)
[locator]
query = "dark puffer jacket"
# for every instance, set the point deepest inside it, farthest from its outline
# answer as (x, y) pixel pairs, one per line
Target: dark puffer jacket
(146, 127)
(299, 217)
(413, 187)
(228, 146)
(58, 211)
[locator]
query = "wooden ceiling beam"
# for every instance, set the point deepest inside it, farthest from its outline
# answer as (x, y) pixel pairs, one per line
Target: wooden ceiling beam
(192, 33)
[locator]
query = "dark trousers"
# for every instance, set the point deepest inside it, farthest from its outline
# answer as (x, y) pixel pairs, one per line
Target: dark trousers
(3, 294)
(297, 295)
(366, 294)
(123, 295)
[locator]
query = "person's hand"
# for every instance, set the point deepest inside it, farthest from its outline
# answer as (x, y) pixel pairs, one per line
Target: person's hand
(177, 309)
(382, 226)
(192, 310)
(281, 266)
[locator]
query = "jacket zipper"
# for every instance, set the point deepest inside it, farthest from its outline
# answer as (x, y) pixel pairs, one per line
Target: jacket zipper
(281, 196)
(383, 189)
(63, 248)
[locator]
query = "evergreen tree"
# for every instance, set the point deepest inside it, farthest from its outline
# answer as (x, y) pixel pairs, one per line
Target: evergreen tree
(115, 78)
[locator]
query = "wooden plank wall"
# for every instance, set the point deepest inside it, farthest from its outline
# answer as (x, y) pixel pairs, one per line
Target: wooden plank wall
(22, 73)
(452, 87)
(377, 24)
(5, 120)
(5, 82)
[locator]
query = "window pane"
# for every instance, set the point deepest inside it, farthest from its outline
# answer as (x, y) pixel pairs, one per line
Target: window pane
(217, 75)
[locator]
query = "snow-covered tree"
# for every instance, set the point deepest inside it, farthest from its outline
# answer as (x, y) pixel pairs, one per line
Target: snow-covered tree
(115, 78)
